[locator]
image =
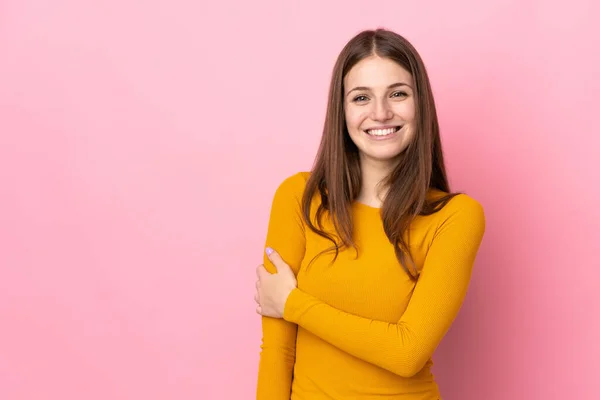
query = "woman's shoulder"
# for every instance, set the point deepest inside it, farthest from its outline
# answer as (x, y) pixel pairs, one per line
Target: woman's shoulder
(292, 186)
(461, 207)
(295, 181)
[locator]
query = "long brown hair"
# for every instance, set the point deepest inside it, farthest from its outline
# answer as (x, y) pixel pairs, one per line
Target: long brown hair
(336, 174)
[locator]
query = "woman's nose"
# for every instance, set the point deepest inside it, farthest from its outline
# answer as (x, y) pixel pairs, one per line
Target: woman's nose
(381, 111)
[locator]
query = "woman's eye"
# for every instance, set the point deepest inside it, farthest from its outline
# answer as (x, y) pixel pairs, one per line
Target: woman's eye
(362, 98)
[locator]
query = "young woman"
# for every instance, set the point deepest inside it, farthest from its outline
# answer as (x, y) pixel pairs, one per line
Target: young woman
(369, 255)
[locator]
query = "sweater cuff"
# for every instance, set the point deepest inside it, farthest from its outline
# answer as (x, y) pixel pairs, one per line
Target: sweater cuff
(293, 305)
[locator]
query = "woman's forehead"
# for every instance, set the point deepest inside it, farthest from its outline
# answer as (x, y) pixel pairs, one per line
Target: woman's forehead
(377, 72)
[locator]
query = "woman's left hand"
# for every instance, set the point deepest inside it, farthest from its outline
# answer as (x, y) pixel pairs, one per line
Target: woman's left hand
(272, 290)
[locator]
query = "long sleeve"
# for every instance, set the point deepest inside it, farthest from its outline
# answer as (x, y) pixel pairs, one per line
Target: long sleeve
(404, 347)
(278, 349)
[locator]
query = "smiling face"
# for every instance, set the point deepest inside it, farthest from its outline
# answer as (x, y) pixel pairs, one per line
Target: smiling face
(379, 107)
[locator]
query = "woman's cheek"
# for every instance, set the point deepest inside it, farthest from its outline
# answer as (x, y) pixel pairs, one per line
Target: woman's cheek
(360, 117)
(405, 110)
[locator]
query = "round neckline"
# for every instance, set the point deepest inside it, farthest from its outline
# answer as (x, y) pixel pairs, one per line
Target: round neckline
(358, 204)
(366, 206)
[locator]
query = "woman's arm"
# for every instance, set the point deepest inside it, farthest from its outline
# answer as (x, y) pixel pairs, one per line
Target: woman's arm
(278, 349)
(404, 347)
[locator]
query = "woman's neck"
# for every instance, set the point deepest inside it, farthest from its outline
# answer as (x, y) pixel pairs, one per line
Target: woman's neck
(373, 173)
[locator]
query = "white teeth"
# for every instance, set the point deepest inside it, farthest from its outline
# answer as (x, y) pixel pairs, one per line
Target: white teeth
(381, 132)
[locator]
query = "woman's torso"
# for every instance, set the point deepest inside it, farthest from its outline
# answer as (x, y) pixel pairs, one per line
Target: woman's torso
(373, 286)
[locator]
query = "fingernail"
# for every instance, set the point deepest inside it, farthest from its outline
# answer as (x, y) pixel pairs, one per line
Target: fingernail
(269, 251)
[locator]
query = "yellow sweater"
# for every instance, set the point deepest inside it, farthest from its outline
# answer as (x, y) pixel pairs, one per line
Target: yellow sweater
(360, 328)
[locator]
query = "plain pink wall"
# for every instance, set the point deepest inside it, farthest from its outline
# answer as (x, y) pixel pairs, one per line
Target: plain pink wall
(141, 143)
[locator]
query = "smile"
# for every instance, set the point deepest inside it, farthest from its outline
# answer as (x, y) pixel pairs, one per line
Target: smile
(383, 131)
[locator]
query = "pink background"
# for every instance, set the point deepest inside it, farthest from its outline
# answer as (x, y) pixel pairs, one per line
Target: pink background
(141, 143)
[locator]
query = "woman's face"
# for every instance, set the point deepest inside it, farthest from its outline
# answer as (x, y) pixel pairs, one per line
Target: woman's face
(379, 107)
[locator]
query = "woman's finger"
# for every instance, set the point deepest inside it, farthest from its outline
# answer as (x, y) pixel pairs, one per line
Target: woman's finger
(258, 310)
